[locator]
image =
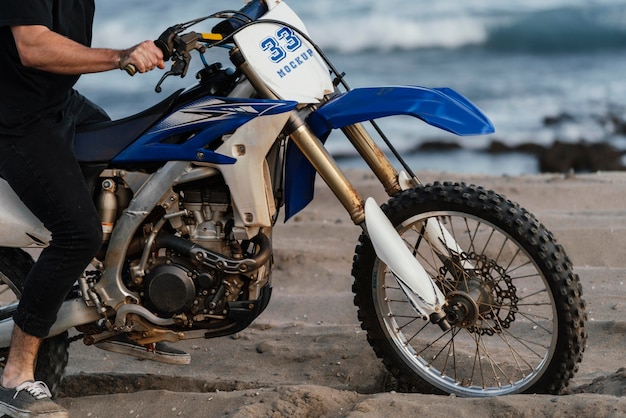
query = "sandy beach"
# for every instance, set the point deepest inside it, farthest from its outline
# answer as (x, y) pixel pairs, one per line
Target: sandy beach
(306, 355)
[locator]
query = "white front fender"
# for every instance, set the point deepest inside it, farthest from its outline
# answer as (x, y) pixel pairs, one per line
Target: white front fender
(423, 294)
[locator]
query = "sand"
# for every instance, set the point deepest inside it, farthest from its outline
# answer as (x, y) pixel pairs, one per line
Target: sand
(306, 355)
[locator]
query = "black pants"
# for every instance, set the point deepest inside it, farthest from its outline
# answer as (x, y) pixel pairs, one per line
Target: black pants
(40, 166)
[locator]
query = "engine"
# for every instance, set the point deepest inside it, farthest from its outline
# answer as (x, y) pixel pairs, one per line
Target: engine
(186, 263)
(175, 287)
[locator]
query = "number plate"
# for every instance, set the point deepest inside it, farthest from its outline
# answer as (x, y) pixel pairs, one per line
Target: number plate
(286, 62)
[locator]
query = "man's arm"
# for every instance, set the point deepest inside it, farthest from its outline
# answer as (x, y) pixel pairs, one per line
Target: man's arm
(43, 49)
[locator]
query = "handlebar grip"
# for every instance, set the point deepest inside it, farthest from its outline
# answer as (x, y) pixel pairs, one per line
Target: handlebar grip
(130, 69)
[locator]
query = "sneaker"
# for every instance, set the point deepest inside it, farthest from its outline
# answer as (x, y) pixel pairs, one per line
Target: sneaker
(156, 352)
(30, 399)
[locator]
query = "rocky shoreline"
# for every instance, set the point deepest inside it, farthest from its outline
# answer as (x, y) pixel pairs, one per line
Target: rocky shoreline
(562, 155)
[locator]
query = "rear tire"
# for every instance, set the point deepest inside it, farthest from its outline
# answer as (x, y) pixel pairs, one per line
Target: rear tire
(53, 354)
(514, 303)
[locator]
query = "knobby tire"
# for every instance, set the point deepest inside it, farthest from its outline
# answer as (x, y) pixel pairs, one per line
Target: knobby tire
(526, 329)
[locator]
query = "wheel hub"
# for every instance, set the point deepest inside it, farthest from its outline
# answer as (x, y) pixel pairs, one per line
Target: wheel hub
(482, 299)
(462, 310)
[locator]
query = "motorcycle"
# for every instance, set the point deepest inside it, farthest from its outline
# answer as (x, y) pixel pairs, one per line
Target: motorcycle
(460, 290)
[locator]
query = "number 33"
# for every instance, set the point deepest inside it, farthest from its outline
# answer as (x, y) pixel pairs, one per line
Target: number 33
(285, 39)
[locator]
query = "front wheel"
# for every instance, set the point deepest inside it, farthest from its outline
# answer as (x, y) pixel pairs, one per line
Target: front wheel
(515, 306)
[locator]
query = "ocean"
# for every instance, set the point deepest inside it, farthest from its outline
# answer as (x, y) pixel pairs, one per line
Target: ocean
(522, 63)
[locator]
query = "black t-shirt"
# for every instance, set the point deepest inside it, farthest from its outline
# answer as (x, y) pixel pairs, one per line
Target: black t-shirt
(26, 94)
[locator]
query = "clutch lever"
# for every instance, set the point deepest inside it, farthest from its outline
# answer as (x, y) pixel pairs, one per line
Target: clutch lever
(180, 66)
(180, 53)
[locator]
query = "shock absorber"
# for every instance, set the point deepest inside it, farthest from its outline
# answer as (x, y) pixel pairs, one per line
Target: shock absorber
(107, 207)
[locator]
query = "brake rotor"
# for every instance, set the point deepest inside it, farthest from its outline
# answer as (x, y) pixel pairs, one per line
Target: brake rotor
(483, 299)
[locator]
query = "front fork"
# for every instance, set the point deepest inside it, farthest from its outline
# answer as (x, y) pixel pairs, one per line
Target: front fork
(424, 295)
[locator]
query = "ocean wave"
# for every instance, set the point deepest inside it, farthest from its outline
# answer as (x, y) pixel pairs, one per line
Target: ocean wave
(354, 26)
(561, 29)
(384, 33)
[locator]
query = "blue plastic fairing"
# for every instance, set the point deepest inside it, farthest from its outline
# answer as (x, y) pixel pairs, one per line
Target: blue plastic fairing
(101, 142)
(299, 180)
(187, 133)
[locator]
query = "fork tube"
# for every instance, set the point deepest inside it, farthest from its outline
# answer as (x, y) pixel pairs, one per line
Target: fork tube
(374, 157)
(325, 165)
(310, 146)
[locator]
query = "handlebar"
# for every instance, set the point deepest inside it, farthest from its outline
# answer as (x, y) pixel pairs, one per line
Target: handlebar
(177, 46)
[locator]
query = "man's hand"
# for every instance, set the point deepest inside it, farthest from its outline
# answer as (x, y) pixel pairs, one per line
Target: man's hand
(144, 57)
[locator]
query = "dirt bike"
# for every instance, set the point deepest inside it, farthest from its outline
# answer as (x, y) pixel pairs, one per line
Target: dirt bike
(460, 290)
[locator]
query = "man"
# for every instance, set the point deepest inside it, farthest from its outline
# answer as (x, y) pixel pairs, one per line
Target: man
(44, 47)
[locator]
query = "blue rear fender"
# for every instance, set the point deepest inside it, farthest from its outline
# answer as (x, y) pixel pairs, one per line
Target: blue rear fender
(443, 108)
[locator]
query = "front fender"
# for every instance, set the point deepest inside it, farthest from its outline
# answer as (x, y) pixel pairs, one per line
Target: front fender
(440, 107)
(443, 108)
